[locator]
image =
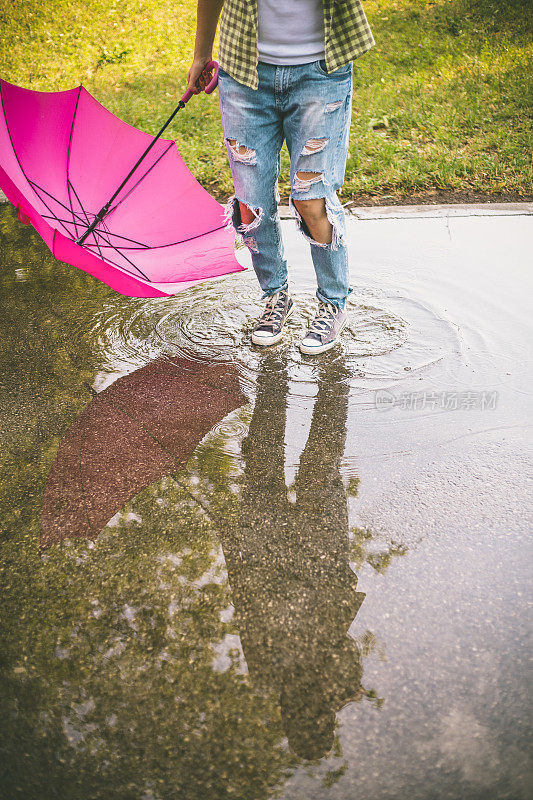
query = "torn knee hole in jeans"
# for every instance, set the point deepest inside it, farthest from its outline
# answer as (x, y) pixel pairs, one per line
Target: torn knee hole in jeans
(333, 106)
(314, 146)
(241, 153)
(232, 216)
(332, 211)
(304, 180)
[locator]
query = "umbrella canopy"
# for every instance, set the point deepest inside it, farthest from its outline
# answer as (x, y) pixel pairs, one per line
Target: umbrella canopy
(142, 427)
(63, 155)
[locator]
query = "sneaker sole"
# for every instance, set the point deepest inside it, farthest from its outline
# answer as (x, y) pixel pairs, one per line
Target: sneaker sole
(262, 341)
(321, 348)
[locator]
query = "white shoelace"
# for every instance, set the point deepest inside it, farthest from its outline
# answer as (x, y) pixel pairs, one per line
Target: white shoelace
(274, 310)
(324, 319)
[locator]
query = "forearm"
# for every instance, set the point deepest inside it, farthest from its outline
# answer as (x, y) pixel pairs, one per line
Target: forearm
(208, 12)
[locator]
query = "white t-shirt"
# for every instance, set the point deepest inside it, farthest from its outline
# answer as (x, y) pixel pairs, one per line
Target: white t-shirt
(290, 31)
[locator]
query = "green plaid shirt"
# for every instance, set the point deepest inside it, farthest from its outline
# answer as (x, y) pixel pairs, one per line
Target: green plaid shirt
(347, 36)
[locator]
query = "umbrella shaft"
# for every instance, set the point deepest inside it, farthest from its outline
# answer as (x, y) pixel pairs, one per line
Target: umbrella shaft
(105, 209)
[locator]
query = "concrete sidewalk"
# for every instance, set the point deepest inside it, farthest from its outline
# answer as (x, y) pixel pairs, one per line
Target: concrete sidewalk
(429, 210)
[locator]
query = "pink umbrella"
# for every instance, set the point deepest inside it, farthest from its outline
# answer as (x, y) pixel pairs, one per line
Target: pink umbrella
(118, 203)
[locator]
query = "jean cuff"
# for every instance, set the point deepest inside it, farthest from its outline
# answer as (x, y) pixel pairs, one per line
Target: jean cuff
(338, 303)
(269, 292)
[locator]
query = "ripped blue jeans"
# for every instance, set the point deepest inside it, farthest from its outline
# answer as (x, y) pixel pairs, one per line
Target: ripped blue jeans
(311, 110)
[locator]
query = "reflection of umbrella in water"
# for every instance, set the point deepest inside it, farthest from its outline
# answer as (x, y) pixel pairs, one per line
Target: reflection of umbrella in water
(143, 426)
(112, 200)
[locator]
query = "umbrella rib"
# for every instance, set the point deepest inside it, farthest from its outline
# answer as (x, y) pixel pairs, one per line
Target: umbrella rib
(71, 186)
(57, 219)
(108, 243)
(99, 233)
(43, 201)
(106, 258)
(96, 243)
(110, 261)
(9, 134)
(158, 246)
(120, 253)
(109, 233)
(40, 188)
(116, 247)
(68, 163)
(87, 218)
(180, 241)
(54, 216)
(141, 245)
(84, 213)
(140, 179)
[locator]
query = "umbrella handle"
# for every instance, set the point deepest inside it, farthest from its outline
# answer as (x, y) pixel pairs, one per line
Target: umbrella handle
(211, 66)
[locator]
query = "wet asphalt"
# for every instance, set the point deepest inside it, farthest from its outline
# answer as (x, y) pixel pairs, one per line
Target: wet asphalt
(236, 573)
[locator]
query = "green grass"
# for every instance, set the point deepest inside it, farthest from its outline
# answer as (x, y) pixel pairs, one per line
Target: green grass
(442, 103)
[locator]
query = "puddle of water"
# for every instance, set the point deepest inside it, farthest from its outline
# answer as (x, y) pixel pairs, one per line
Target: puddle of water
(326, 600)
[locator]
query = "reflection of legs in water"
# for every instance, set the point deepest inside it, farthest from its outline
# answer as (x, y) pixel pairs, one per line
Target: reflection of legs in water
(326, 674)
(294, 593)
(265, 493)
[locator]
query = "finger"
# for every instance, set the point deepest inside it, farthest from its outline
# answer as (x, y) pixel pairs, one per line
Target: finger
(191, 80)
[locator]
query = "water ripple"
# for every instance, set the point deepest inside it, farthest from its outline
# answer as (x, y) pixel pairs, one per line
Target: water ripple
(386, 336)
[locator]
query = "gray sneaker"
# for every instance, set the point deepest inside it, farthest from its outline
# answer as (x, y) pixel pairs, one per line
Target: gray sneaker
(324, 330)
(278, 309)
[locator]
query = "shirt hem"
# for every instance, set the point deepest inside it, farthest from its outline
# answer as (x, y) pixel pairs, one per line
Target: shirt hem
(292, 62)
